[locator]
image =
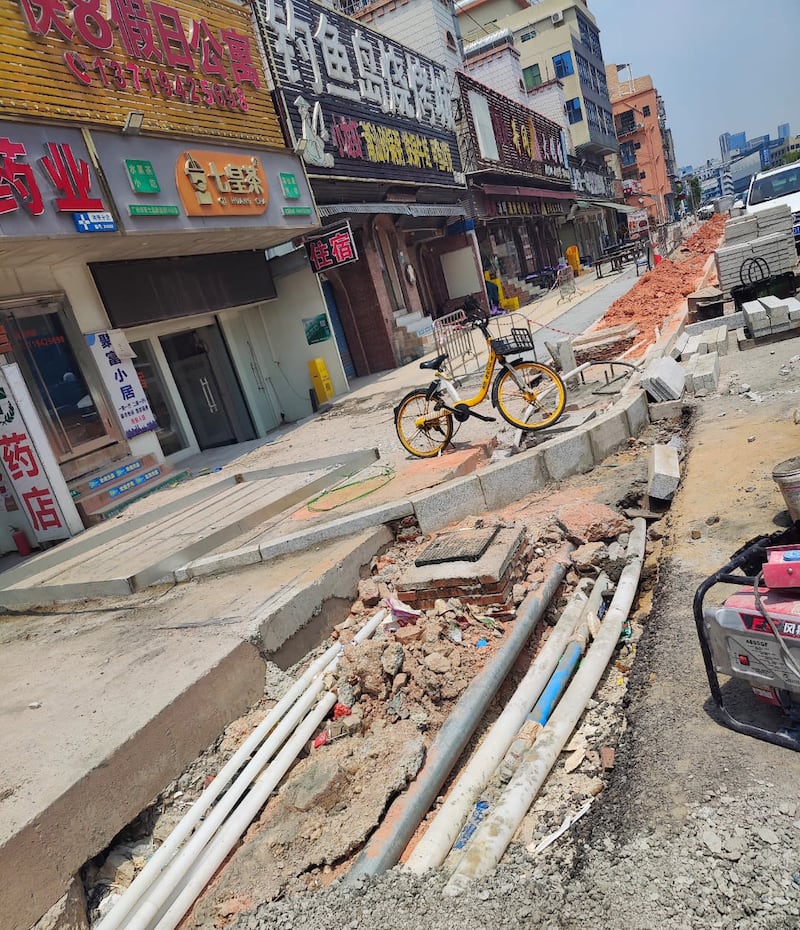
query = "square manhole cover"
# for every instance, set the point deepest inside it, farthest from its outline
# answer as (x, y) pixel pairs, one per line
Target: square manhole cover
(466, 546)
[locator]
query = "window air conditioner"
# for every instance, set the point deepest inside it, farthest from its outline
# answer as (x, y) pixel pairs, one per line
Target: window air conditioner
(556, 18)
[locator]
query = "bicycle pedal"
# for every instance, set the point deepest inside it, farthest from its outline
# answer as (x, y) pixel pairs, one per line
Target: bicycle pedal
(480, 416)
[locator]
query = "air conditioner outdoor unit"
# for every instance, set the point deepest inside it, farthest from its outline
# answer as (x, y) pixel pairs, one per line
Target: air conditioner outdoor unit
(556, 18)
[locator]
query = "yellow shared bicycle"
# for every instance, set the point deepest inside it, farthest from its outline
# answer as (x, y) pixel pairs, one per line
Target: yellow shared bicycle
(528, 395)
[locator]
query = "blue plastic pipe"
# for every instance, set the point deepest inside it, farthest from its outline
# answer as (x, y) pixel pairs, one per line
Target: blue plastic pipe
(558, 682)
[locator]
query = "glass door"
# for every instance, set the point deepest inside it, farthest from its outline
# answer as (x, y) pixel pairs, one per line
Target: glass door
(61, 378)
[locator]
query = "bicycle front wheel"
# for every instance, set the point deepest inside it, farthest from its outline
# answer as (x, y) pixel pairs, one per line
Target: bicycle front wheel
(531, 397)
(423, 430)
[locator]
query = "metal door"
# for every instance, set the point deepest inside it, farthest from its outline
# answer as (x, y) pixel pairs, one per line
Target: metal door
(338, 330)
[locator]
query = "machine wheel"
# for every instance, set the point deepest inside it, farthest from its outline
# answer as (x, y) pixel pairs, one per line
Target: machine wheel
(423, 430)
(538, 403)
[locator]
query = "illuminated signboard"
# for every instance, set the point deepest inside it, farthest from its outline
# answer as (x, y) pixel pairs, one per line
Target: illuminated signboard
(188, 66)
(507, 136)
(359, 104)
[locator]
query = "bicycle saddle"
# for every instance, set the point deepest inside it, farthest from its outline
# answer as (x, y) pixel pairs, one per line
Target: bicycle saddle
(435, 363)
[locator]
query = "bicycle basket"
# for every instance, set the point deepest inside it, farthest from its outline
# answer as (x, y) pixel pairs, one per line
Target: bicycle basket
(519, 340)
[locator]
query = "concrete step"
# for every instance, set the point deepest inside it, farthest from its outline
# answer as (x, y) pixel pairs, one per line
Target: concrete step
(129, 696)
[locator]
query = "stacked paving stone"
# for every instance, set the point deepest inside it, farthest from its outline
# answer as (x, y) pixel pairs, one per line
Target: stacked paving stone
(771, 315)
(699, 355)
(767, 237)
(664, 379)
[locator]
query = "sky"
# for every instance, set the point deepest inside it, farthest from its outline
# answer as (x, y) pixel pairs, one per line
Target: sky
(720, 65)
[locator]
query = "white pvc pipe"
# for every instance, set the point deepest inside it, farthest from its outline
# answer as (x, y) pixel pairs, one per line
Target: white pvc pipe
(300, 690)
(497, 830)
(434, 846)
(233, 829)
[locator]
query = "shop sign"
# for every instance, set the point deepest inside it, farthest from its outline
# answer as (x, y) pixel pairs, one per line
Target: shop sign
(515, 208)
(45, 178)
(506, 134)
(122, 382)
(221, 183)
(552, 208)
(316, 329)
(29, 464)
(332, 249)
(359, 104)
(187, 66)
(212, 188)
(142, 176)
(638, 222)
(94, 222)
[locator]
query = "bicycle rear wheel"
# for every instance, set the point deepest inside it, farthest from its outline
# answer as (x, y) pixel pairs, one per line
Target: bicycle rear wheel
(423, 430)
(538, 401)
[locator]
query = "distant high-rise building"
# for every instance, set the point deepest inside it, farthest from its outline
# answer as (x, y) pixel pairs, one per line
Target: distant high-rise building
(784, 131)
(730, 143)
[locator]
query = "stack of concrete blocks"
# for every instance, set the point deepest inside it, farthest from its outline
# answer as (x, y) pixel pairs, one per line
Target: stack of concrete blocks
(764, 241)
(770, 315)
(699, 356)
(664, 379)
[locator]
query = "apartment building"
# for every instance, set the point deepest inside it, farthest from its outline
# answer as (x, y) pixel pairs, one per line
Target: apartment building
(646, 151)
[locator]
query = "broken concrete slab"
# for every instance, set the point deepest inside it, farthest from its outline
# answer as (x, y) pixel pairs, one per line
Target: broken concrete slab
(668, 410)
(663, 472)
(706, 374)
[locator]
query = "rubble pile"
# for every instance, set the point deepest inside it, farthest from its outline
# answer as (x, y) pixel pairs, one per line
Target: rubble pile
(656, 294)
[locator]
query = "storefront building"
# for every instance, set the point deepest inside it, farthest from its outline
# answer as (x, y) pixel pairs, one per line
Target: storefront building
(373, 123)
(516, 164)
(138, 303)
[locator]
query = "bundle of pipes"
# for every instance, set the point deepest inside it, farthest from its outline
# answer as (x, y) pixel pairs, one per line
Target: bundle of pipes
(533, 749)
(497, 830)
(178, 872)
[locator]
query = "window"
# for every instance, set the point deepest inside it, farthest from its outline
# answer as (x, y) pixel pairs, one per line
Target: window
(574, 112)
(527, 36)
(532, 76)
(637, 145)
(584, 70)
(563, 65)
(642, 175)
(626, 155)
(645, 111)
(450, 41)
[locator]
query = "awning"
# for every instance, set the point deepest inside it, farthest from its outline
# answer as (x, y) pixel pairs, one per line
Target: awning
(403, 209)
(623, 208)
(498, 190)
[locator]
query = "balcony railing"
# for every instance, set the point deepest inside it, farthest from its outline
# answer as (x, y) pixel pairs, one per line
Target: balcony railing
(628, 129)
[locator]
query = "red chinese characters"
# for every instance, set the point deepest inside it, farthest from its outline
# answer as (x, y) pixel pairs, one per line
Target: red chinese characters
(42, 509)
(18, 456)
(155, 34)
(18, 187)
(69, 175)
(334, 248)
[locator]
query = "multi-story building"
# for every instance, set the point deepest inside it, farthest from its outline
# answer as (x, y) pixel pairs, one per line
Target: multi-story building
(647, 154)
(732, 144)
(372, 120)
(557, 39)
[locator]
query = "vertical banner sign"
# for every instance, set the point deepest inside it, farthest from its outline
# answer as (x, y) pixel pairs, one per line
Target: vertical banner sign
(30, 465)
(331, 249)
(122, 383)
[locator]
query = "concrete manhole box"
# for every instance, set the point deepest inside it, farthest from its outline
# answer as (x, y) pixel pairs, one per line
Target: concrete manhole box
(463, 546)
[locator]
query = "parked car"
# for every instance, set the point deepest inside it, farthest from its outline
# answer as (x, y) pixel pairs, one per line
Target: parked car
(706, 211)
(777, 186)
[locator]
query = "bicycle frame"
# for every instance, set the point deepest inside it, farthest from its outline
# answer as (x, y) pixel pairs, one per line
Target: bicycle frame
(443, 380)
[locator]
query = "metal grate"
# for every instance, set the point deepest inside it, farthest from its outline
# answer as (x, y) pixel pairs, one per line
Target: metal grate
(466, 546)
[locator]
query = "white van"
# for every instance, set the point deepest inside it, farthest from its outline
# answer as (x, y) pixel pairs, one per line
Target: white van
(777, 186)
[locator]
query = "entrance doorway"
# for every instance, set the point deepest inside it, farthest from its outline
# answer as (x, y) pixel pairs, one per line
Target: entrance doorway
(208, 387)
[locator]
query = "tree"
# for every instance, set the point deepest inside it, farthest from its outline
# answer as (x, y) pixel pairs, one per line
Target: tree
(790, 157)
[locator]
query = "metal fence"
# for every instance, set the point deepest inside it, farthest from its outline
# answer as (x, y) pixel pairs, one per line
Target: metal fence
(453, 335)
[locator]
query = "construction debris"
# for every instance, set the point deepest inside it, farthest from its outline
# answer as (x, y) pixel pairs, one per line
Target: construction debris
(756, 248)
(664, 472)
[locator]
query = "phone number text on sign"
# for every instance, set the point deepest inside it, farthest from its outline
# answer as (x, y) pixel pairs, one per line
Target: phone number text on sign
(160, 83)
